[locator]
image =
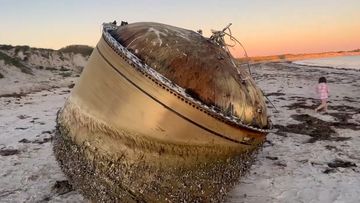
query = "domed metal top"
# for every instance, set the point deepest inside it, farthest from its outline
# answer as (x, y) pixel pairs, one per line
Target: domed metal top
(195, 63)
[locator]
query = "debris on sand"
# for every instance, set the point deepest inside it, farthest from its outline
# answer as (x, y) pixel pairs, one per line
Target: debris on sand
(329, 170)
(23, 116)
(24, 141)
(341, 163)
(45, 140)
(9, 152)
(272, 157)
(62, 187)
(316, 128)
(15, 95)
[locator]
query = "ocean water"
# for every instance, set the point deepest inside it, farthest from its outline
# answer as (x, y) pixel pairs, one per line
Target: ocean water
(348, 62)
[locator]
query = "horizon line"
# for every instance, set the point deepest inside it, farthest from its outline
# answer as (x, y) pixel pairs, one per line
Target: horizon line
(282, 54)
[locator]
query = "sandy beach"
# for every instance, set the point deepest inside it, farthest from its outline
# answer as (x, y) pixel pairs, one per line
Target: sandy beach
(309, 157)
(179, 101)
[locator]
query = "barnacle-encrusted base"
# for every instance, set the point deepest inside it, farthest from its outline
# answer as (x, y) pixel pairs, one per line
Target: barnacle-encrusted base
(102, 177)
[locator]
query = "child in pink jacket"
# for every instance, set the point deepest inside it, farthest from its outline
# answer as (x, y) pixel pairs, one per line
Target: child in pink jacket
(323, 92)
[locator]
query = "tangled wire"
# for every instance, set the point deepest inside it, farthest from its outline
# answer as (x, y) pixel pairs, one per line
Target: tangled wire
(218, 37)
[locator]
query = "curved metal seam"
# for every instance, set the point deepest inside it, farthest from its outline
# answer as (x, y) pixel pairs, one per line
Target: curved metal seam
(165, 106)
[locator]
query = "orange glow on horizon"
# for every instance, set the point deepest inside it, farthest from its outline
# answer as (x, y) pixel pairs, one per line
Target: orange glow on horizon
(308, 39)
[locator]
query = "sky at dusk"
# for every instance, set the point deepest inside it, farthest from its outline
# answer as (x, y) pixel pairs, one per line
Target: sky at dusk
(265, 27)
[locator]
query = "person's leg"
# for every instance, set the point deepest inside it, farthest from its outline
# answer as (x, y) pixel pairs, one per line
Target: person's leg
(319, 107)
(323, 105)
(324, 102)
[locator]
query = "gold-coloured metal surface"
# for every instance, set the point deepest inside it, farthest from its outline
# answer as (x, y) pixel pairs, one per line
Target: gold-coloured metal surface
(125, 136)
(146, 109)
